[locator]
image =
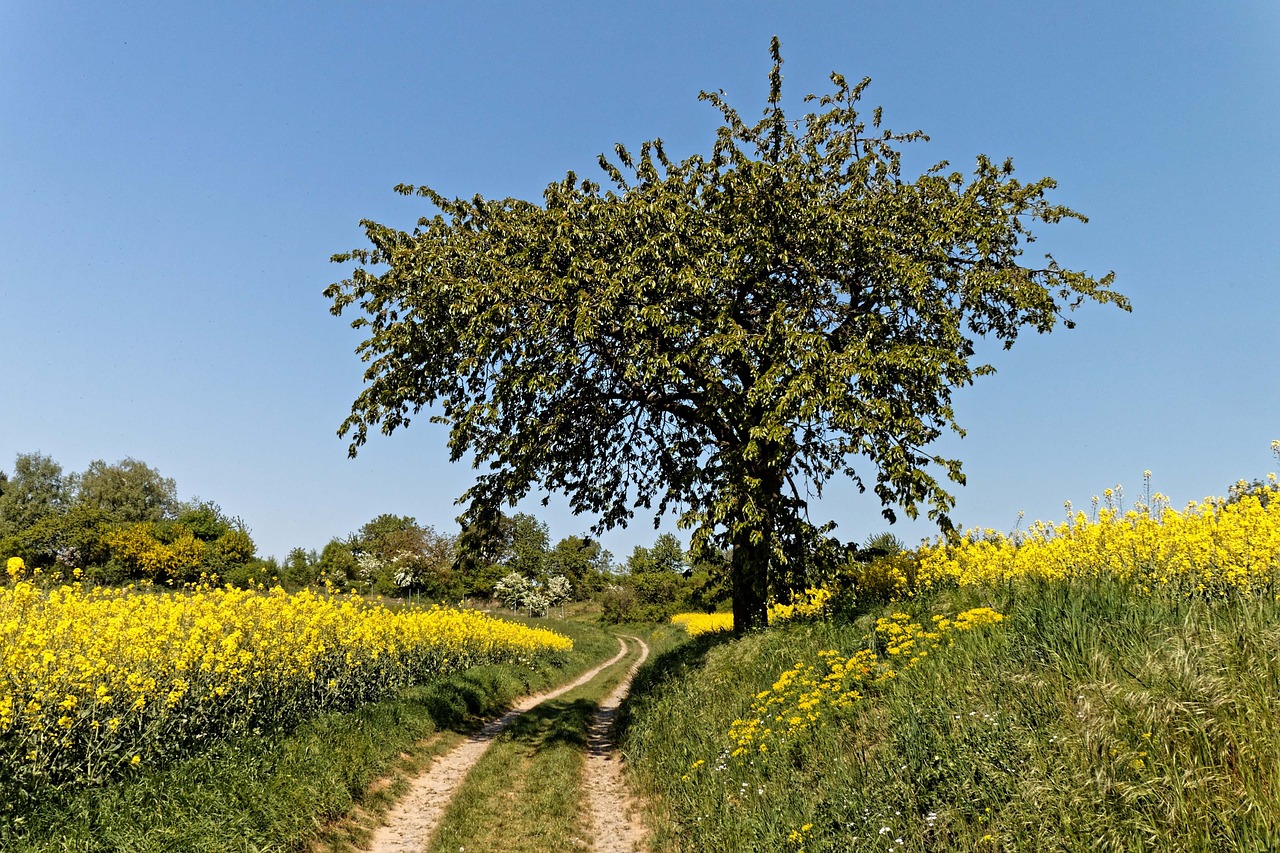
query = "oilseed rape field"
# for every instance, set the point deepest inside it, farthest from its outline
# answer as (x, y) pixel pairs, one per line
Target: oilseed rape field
(811, 603)
(94, 682)
(1212, 547)
(1107, 682)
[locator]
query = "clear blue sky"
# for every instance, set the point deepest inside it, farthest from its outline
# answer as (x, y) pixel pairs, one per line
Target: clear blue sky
(174, 178)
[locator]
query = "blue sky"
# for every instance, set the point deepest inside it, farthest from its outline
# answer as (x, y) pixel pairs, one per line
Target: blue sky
(174, 178)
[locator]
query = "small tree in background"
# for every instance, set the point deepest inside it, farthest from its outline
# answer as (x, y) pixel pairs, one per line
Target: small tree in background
(64, 544)
(397, 554)
(518, 592)
(493, 544)
(528, 540)
(558, 590)
(338, 567)
(300, 568)
(583, 562)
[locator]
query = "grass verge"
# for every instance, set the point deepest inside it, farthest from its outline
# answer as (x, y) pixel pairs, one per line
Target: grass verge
(320, 784)
(1095, 717)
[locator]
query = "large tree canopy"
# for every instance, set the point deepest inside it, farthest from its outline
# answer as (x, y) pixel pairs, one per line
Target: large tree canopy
(720, 335)
(128, 491)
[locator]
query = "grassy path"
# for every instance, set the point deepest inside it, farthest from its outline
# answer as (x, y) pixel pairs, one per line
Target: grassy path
(412, 822)
(529, 790)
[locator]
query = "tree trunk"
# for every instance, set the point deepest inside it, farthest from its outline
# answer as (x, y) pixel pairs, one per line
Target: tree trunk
(749, 575)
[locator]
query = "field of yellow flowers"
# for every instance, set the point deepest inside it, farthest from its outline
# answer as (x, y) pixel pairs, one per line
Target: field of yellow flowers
(94, 681)
(1211, 547)
(807, 605)
(1214, 547)
(1109, 682)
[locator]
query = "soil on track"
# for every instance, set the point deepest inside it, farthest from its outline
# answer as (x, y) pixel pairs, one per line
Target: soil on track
(410, 824)
(615, 827)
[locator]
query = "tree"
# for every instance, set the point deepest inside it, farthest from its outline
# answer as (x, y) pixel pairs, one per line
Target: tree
(721, 335)
(559, 589)
(206, 520)
(665, 557)
(338, 567)
(517, 591)
(129, 491)
(708, 585)
(37, 489)
(580, 560)
(300, 568)
(62, 542)
(527, 540)
(400, 554)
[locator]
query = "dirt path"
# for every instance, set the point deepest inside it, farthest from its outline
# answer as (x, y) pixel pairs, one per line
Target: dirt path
(410, 824)
(614, 826)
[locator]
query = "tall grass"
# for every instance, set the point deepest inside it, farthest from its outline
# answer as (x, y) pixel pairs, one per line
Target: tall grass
(1095, 717)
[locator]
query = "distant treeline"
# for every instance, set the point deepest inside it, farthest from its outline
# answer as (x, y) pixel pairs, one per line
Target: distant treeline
(114, 523)
(122, 522)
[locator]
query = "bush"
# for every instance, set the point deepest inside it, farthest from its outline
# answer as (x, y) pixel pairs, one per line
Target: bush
(619, 605)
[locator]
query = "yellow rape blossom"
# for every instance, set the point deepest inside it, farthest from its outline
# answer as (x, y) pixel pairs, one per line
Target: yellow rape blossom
(1213, 547)
(806, 692)
(809, 604)
(113, 677)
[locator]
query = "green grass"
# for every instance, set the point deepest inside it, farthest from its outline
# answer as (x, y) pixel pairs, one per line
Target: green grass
(322, 783)
(1093, 718)
(524, 795)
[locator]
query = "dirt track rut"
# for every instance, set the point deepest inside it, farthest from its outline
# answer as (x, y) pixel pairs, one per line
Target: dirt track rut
(411, 822)
(615, 827)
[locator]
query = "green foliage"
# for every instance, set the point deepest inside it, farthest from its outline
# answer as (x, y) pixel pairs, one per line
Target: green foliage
(583, 561)
(233, 548)
(657, 596)
(115, 523)
(707, 586)
(883, 545)
(207, 521)
(37, 489)
(493, 544)
(481, 581)
(337, 565)
(396, 554)
(723, 333)
(301, 569)
(256, 572)
(128, 491)
(663, 580)
(665, 557)
(619, 604)
(62, 542)
(527, 539)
